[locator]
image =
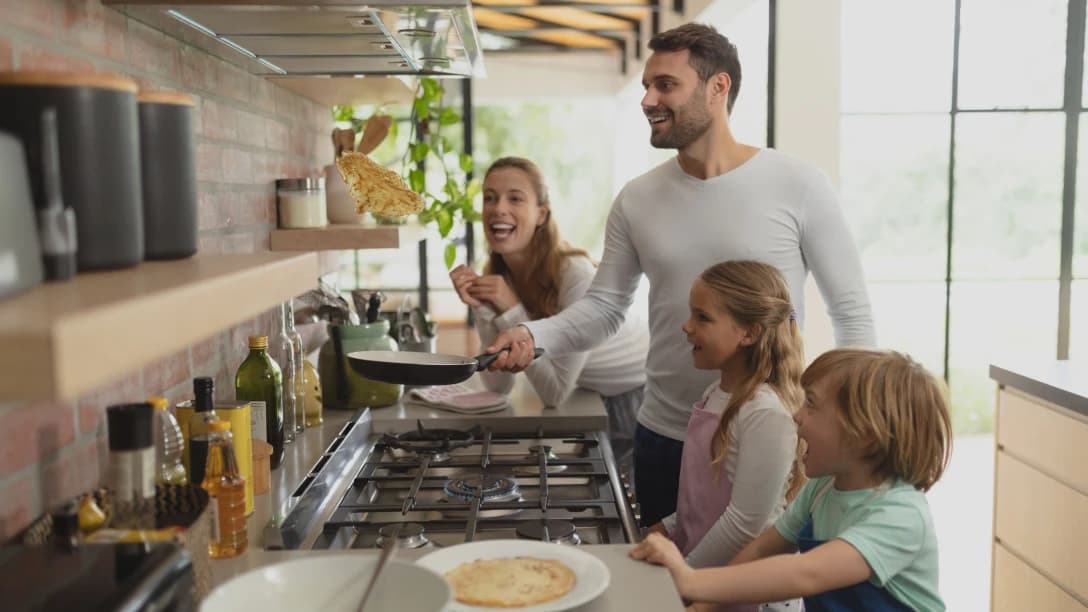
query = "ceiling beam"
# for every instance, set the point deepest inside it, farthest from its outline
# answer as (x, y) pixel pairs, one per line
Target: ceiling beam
(594, 7)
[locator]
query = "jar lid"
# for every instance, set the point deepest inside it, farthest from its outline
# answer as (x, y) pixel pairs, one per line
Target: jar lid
(129, 426)
(51, 78)
(164, 97)
(309, 182)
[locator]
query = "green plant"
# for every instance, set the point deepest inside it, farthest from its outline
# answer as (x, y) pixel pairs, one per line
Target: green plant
(452, 206)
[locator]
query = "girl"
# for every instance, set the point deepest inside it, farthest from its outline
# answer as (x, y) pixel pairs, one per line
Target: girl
(532, 274)
(878, 433)
(740, 448)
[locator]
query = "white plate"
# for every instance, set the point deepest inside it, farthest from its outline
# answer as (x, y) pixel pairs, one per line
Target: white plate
(331, 583)
(591, 574)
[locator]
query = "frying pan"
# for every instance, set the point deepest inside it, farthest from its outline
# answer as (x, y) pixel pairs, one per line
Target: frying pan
(411, 368)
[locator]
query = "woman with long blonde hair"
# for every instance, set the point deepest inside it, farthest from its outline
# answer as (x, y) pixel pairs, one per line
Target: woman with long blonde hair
(532, 274)
(740, 463)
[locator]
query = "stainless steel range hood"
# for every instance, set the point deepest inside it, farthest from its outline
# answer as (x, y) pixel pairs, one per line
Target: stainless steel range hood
(324, 37)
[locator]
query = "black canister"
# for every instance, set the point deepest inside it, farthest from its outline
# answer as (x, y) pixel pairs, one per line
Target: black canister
(98, 132)
(168, 174)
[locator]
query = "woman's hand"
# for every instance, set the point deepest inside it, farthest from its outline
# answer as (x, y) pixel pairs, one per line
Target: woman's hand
(463, 277)
(494, 290)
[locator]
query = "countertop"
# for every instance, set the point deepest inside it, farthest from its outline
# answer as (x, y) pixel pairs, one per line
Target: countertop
(582, 411)
(1064, 383)
(633, 585)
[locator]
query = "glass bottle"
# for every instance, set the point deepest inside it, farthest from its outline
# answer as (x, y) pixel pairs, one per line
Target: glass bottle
(169, 444)
(300, 369)
(200, 426)
(283, 353)
(260, 383)
(226, 495)
(312, 382)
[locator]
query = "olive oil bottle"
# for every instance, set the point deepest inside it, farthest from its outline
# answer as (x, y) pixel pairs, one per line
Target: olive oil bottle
(260, 383)
(226, 495)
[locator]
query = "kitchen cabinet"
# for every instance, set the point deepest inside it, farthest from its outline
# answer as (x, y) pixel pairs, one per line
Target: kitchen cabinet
(338, 237)
(61, 340)
(1040, 490)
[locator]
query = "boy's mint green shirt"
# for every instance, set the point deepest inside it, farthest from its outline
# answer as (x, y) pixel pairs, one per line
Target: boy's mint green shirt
(892, 529)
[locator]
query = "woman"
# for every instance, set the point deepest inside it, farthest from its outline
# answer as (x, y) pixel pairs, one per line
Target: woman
(532, 274)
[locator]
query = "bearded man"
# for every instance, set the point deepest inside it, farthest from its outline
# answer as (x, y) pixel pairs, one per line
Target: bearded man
(717, 200)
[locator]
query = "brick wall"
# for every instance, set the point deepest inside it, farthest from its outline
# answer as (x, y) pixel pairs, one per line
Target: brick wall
(248, 133)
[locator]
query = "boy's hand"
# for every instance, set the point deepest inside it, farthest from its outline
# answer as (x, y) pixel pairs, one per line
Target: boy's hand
(659, 550)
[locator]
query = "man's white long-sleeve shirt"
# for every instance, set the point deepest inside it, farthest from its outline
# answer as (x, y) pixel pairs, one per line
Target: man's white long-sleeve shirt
(672, 226)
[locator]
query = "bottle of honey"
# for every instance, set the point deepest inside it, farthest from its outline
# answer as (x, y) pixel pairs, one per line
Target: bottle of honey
(227, 495)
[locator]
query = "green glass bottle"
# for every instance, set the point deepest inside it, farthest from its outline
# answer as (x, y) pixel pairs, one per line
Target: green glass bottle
(260, 382)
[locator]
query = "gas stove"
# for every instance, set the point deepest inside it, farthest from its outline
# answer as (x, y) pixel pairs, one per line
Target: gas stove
(439, 487)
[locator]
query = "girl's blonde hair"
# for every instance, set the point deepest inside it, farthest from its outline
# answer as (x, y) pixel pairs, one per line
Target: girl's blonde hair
(894, 410)
(538, 285)
(756, 296)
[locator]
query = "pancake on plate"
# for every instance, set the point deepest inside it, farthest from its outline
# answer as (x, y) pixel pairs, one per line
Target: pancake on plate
(512, 582)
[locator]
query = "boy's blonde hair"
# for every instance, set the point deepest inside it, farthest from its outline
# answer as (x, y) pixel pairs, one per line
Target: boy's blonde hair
(891, 408)
(757, 297)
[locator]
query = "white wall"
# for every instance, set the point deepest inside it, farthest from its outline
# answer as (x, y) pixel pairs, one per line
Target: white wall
(807, 114)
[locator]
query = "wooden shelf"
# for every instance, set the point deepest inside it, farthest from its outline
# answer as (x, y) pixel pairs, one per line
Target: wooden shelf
(63, 339)
(342, 237)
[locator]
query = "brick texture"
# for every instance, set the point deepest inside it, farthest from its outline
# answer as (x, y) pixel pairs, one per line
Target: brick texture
(248, 132)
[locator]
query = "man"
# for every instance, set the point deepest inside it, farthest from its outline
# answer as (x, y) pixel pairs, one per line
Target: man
(717, 200)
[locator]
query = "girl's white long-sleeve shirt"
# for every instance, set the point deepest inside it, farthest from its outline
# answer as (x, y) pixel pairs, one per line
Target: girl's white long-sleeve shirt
(760, 452)
(614, 367)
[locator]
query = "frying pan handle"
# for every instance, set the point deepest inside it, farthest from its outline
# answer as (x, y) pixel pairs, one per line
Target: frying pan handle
(484, 360)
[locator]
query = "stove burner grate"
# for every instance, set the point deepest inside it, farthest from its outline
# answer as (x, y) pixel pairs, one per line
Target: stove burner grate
(560, 532)
(489, 488)
(434, 442)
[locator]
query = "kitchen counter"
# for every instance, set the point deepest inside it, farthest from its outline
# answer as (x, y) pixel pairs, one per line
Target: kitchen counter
(582, 411)
(298, 461)
(633, 585)
(1064, 383)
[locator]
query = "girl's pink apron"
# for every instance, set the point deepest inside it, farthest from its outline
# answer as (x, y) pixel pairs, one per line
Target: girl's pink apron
(705, 490)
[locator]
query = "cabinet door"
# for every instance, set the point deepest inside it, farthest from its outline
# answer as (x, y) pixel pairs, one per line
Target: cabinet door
(1043, 435)
(1043, 522)
(1017, 587)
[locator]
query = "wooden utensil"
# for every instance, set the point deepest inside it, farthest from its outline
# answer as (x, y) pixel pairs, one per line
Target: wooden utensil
(347, 140)
(377, 128)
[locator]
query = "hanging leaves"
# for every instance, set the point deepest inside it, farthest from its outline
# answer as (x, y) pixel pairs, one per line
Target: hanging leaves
(453, 206)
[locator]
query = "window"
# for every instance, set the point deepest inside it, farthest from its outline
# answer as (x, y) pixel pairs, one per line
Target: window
(984, 247)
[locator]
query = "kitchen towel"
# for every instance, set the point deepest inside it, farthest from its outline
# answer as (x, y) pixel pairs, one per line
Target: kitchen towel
(458, 398)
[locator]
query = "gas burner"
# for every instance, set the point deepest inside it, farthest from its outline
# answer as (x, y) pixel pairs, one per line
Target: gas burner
(489, 488)
(434, 442)
(559, 532)
(534, 456)
(409, 536)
